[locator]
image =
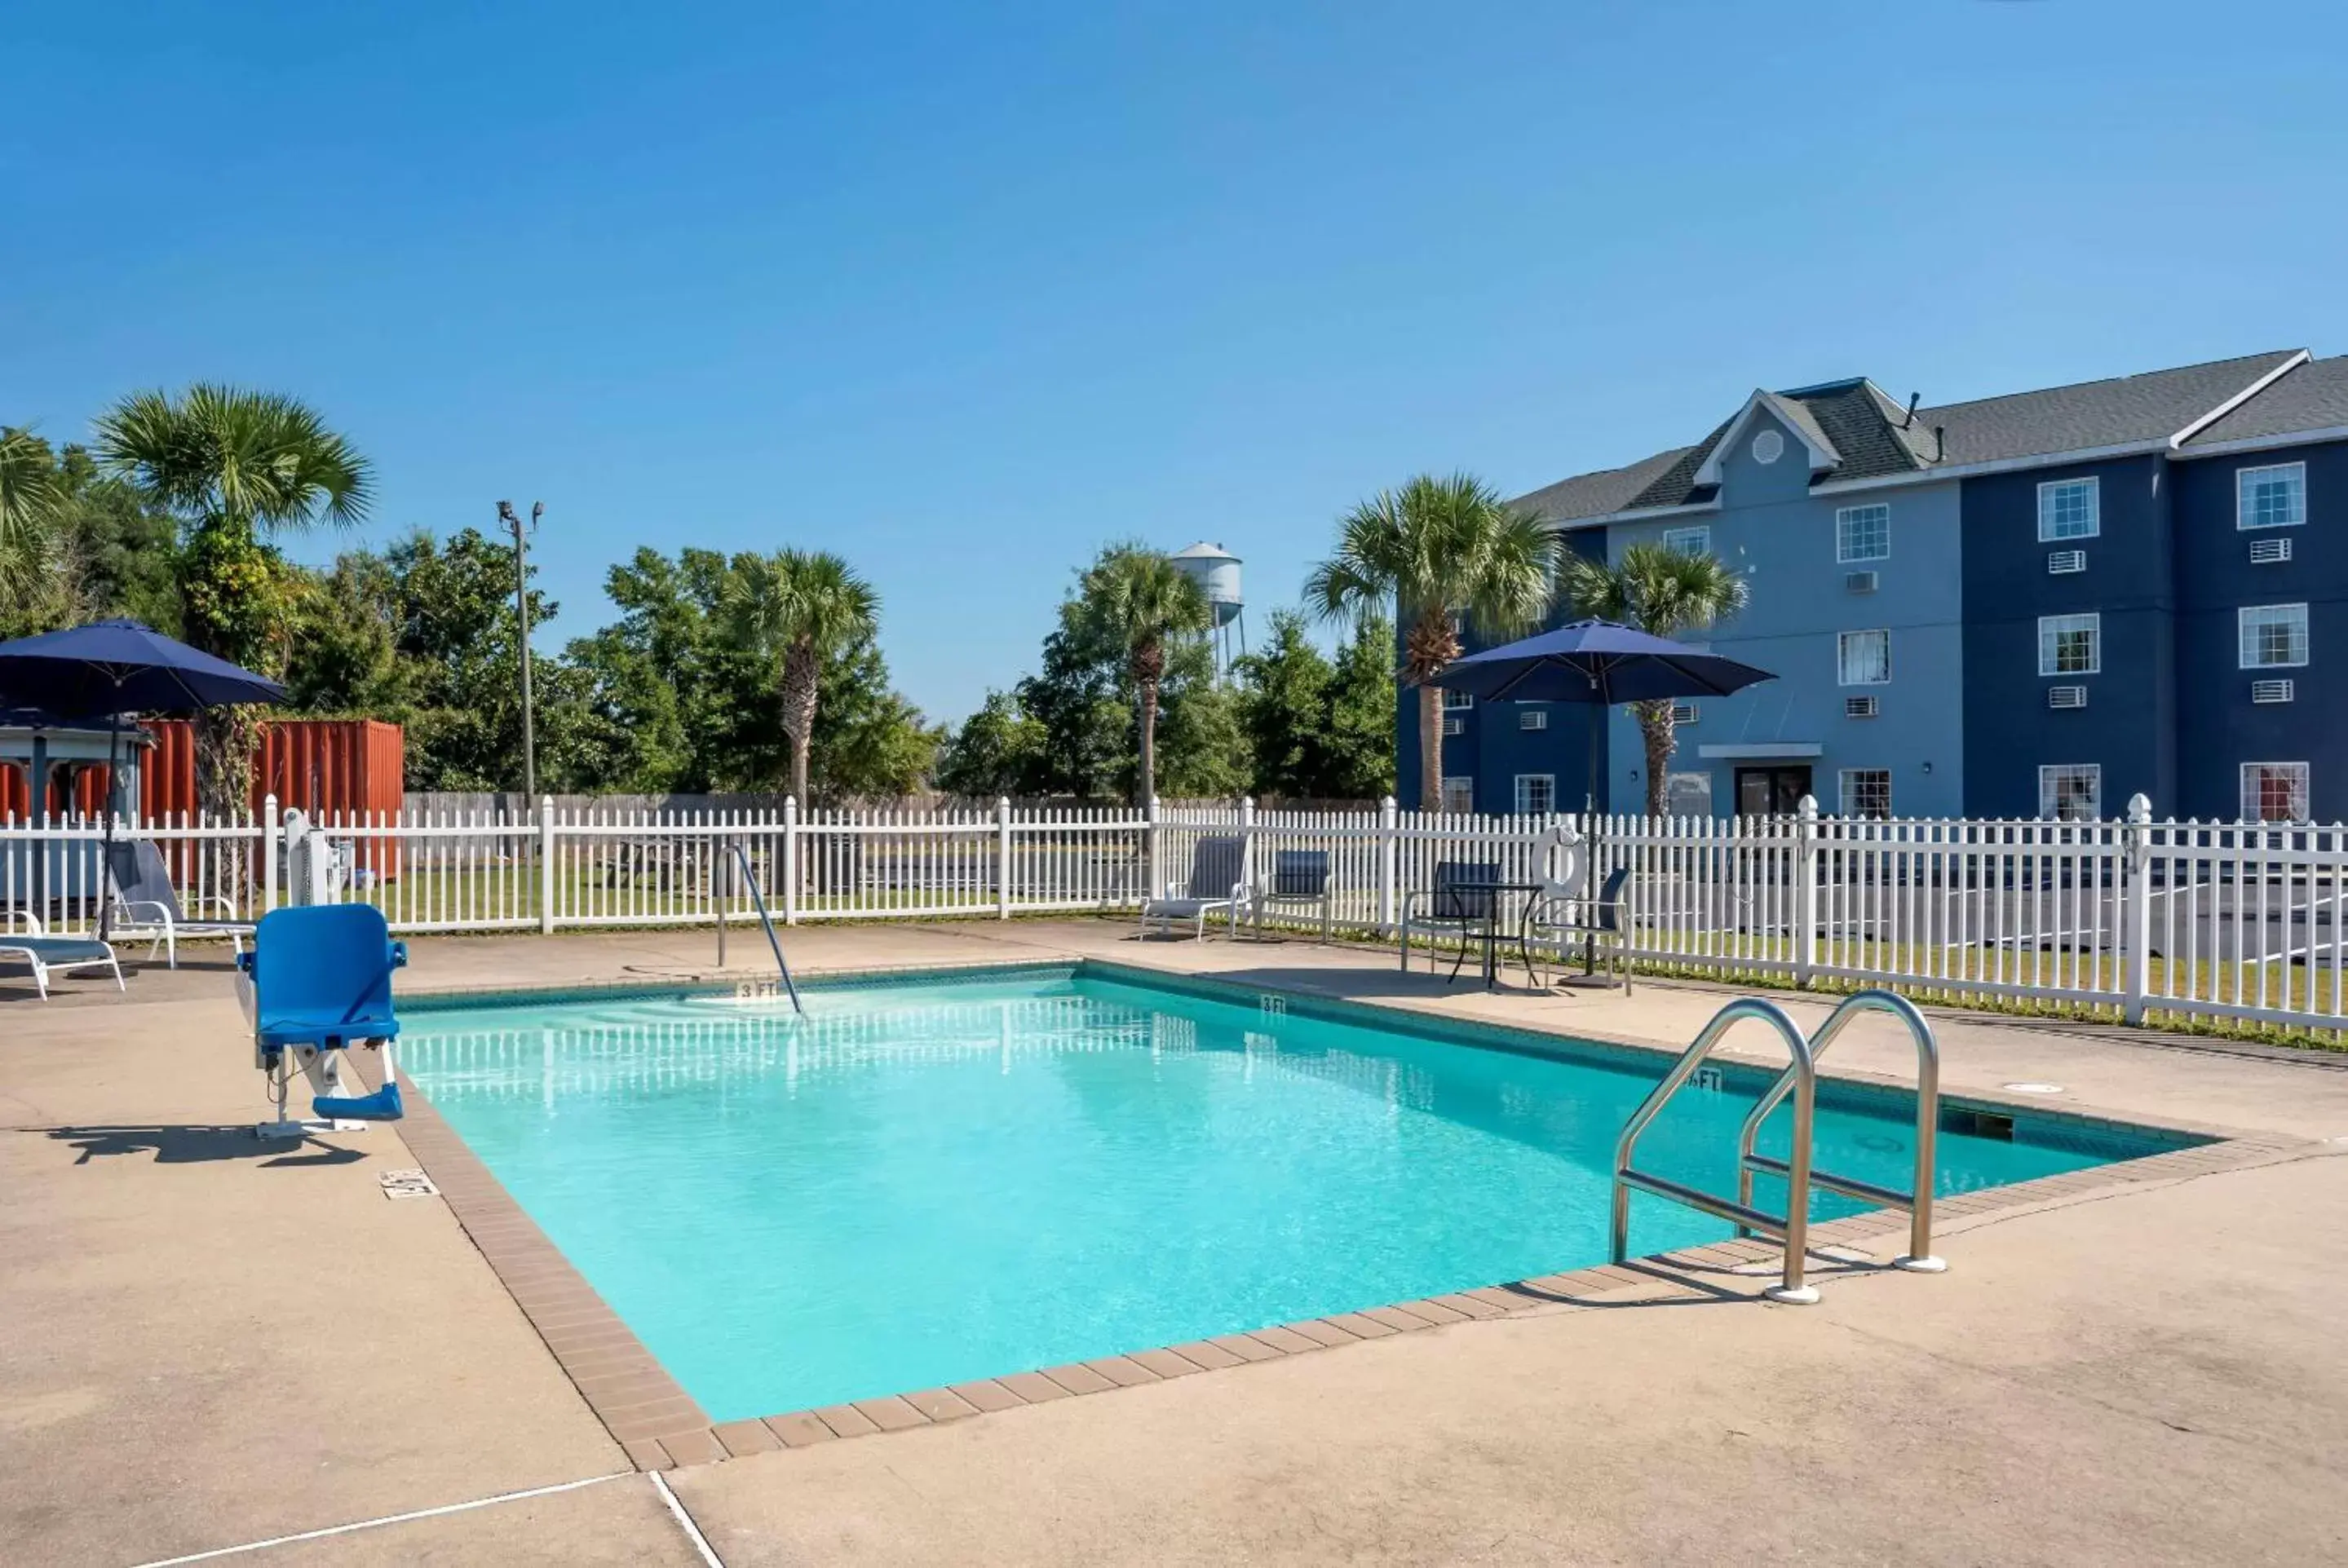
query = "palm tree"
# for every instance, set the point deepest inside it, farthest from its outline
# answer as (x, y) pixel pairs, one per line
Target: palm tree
(30, 504)
(1140, 601)
(235, 466)
(1439, 549)
(1662, 591)
(801, 610)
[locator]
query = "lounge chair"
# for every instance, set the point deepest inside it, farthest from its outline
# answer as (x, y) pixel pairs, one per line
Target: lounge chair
(1218, 882)
(145, 904)
(1300, 877)
(50, 954)
(1461, 905)
(321, 983)
(1563, 911)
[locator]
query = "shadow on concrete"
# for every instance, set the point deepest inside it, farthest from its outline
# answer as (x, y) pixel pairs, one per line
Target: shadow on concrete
(189, 1146)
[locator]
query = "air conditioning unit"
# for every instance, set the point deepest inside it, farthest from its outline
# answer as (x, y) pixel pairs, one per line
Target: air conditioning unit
(1858, 581)
(2269, 552)
(1684, 714)
(1860, 708)
(2061, 561)
(1533, 719)
(2066, 696)
(2273, 690)
(1455, 726)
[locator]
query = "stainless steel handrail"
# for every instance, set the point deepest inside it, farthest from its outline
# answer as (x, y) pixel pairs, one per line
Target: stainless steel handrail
(1918, 1199)
(750, 878)
(1793, 1229)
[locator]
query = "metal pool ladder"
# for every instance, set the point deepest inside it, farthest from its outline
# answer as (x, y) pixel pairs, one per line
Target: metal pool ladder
(767, 921)
(1800, 1079)
(1918, 1199)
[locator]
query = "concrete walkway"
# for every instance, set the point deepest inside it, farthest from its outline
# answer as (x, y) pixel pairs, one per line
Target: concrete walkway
(206, 1341)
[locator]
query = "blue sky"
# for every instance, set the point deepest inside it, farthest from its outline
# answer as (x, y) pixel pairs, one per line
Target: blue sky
(963, 292)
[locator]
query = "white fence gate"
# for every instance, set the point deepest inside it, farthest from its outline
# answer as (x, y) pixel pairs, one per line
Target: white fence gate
(2227, 920)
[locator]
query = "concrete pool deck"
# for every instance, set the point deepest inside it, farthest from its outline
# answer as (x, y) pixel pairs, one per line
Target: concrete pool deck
(210, 1341)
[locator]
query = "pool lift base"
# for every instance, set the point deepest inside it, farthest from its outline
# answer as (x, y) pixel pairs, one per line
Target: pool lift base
(1799, 1080)
(347, 1113)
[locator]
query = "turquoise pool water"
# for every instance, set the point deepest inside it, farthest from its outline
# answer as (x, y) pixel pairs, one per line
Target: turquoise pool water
(923, 1183)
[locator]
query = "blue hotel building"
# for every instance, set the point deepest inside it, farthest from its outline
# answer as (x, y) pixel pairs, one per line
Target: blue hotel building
(2035, 605)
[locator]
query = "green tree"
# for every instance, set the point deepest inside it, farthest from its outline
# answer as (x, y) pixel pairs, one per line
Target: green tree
(1077, 701)
(1360, 750)
(1666, 593)
(1436, 549)
(1319, 728)
(238, 468)
(1144, 604)
(998, 751)
(800, 611)
(31, 508)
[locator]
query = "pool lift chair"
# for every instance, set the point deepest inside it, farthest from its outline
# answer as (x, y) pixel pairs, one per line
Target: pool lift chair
(316, 983)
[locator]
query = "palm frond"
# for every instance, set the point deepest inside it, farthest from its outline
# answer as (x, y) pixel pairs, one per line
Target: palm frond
(260, 459)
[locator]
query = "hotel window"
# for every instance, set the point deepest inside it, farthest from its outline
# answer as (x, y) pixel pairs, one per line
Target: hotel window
(1460, 793)
(2273, 636)
(1535, 793)
(2070, 644)
(1457, 698)
(2274, 792)
(2069, 509)
(1533, 719)
(1862, 533)
(1866, 792)
(2271, 498)
(1688, 541)
(2071, 792)
(1863, 658)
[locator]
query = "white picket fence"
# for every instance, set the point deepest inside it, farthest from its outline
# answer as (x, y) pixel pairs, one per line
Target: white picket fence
(2129, 918)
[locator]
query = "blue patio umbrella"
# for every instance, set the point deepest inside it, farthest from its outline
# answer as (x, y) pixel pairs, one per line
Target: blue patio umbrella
(1601, 662)
(110, 668)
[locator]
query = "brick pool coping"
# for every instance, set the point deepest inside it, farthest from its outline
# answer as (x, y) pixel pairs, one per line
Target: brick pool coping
(660, 1426)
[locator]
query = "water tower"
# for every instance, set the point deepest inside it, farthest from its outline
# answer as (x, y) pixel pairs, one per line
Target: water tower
(1216, 572)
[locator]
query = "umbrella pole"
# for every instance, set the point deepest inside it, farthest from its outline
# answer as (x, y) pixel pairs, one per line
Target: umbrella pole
(1590, 854)
(106, 850)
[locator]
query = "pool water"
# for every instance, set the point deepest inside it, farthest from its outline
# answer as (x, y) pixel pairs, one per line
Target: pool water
(928, 1182)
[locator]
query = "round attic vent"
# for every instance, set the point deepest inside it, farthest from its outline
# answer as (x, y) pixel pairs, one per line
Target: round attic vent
(1768, 446)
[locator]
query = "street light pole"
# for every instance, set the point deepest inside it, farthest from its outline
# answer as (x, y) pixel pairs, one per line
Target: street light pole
(512, 520)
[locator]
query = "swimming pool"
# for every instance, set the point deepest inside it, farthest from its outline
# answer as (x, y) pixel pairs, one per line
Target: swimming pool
(931, 1182)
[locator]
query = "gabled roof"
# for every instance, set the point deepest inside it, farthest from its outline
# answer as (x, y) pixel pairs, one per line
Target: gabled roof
(2313, 396)
(1868, 434)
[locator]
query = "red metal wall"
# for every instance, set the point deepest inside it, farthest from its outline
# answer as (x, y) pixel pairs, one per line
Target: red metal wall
(333, 768)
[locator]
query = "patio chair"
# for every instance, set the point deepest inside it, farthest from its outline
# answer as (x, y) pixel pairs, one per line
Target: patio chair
(321, 982)
(1218, 882)
(1300, 877)
(1460, 903)
(50, 954)
(145, 904)
(1562, 911)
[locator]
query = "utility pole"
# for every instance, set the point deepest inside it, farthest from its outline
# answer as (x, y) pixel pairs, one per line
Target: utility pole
(507, 516)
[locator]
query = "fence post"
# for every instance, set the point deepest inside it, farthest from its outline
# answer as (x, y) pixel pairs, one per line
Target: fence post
(546, 865)
(268, 853)
(1805, 891)
(1247, 839)
(1002, 857)
(2137, 921)
(791, 860)
(1156, 852)
(1389, 851)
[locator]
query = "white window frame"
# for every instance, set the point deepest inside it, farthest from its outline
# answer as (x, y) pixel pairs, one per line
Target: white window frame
(2244, 477)
(2246, 629)
(1843, 645)
(1459, 784)
(1844, 516)
(1547, 782)
(2047, 493)
(2050, 629)
(2051, 775)
(2254, 773)
(1532, 719)
(1455, 701)
(1847, 779)
(1676, 540)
